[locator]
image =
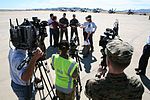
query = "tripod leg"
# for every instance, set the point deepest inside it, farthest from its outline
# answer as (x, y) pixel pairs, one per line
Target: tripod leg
(48, 71)
(40, 64)
(48, 80)
(78, 60)
(40, 94)
(78, 88)
(39, 88)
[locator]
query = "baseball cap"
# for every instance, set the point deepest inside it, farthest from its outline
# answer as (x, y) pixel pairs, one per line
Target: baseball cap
(119, 51)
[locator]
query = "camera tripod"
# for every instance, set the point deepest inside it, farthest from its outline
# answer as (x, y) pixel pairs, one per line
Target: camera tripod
(44, 81)
(78, 81)
(103, 69)
(39, 84)
(77, 58)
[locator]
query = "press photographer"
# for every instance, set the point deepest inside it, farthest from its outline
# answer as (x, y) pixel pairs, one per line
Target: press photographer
(66, 70)
(20, 77)
(117, 85)
(27, 58)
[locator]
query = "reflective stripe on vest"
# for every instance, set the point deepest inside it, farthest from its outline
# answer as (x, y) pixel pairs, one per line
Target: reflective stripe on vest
(71, 67)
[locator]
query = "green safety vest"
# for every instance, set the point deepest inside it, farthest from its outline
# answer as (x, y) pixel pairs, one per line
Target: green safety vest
(64, 69)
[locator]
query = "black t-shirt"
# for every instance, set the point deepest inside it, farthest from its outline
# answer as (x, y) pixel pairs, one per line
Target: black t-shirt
(74, 22)
(63, 21)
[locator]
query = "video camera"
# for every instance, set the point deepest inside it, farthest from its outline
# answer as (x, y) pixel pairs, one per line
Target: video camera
(73, 47)
(28, 35)
(40, 26)
(110, 34)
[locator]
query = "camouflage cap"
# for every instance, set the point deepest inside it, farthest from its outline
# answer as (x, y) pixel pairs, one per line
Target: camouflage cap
(119, 51)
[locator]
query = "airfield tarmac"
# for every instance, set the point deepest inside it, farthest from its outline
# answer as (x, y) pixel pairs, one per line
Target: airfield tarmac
(132, 28)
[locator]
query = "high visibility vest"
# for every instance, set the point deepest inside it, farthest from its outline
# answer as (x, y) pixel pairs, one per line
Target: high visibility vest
(64, 69)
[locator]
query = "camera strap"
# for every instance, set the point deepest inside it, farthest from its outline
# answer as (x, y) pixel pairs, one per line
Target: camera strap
(23, 63)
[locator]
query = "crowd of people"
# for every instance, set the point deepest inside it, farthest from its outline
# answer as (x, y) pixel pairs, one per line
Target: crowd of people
(115, 86)
(59, 28)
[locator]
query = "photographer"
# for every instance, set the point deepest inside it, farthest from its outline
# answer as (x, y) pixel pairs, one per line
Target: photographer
(116, 85)
(116, 27)
(20, 78)
(66, 71)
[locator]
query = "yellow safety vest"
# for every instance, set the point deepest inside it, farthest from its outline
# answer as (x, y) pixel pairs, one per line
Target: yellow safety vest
(64, 69)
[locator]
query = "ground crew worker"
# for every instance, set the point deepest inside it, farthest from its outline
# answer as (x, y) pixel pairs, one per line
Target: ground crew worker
(116, 85)
(74, 23)
(66, 71)
(63, 27)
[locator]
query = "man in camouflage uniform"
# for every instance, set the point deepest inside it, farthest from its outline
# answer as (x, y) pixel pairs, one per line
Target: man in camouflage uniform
(116, 85)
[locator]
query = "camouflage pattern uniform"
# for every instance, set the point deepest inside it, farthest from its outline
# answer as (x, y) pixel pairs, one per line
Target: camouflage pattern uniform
(116, 86)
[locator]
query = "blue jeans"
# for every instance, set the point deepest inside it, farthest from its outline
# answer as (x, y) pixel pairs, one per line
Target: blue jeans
(23, 92)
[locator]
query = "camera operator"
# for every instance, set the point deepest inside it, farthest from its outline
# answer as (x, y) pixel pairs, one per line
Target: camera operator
(141, 70)
(74, 23)
(89, 30)
(20, 78)
(116, 85)
(66, 71)
(63, 26)
(116, 27)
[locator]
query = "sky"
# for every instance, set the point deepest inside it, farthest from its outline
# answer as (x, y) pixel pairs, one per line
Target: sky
(104, 4)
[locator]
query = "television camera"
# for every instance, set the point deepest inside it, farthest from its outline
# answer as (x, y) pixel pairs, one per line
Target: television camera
(73, 48)
(110, 34)
(28, 36)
